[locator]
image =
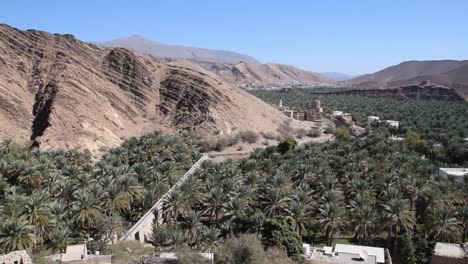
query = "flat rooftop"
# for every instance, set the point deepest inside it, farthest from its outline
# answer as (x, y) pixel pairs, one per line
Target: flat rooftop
(455, 171)
(341, 258)
(379, 253)
(451, 250)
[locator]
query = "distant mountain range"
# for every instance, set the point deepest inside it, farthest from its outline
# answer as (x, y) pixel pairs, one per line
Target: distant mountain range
(143, 45)
(232, 67)
(338, 76)
(450, 73)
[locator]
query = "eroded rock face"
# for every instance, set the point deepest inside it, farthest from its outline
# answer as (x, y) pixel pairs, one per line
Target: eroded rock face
(60, 92)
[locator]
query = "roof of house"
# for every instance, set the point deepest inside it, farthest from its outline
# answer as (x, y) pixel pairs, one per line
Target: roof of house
(342, 258)
(451, 250)
(455, 171)
(379, 253)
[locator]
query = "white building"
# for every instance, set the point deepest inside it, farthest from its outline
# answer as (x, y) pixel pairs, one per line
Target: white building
(337, 113)
(348, 254)
(458, 173)
(372, 119)
(393, 123)
(392, 137)
(75, 252)
(450, 253)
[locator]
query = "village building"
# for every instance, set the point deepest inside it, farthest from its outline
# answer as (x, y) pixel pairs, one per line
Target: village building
(458, 173)
(446, 253)
(78, 254)
(393, 123)
(371, 120)
(313, 114)
(347, 254)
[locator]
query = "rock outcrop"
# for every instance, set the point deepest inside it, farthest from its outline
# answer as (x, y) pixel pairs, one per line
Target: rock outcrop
(60, 92)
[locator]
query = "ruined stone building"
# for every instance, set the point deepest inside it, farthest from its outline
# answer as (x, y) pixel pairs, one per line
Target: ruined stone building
(313, 114)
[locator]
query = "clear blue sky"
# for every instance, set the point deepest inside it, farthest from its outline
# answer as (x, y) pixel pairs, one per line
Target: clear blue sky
(350, 36)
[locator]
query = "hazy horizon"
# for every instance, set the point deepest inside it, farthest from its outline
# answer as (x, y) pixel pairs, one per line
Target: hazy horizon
(351, 37)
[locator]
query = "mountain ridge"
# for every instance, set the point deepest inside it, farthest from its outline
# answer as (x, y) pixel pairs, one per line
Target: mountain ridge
(450, 73)
(141, 44)
(62, 93)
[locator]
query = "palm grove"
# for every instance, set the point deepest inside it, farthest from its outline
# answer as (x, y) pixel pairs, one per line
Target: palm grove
(375, 192)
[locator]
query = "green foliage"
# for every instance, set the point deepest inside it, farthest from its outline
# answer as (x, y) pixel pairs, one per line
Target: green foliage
(48, 199)
(125, 252)
(282, 231)
(288, 144)
(407, 251)
(414, 141)
(438, 122)
(245, 249)
(343, 134)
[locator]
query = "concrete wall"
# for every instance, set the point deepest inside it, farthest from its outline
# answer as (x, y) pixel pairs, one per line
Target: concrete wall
(105, 259)
(143, 229)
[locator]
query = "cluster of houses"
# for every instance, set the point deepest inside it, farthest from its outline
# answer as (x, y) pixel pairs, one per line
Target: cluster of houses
(313, 114)
(444, 253)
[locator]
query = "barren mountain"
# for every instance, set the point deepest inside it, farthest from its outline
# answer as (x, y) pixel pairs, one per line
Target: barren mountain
(157, 49)
(422, 91)
(60, 92)
(450, 73)
(248, 73)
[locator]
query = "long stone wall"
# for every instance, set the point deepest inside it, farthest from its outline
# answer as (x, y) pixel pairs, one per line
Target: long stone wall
(16, 257)
(143, 228)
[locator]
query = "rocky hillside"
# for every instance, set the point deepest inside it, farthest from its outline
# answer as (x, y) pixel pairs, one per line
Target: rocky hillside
(157, 49)
(422, 91)
(60, 92)
(248, 73)
(450, 73)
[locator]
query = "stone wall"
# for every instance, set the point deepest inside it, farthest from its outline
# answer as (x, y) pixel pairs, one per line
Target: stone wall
(16, 257)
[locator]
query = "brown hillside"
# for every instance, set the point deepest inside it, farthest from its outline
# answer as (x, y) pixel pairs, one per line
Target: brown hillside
(248, 73)
(62, 93)
(448, 73)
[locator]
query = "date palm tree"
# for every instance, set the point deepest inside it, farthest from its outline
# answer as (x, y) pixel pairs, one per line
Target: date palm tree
(86, 210)
(36, 210)
(399, 217)
(444, 226)
(332, 219)
(16, 234)
(191, 223)
(364, 219)
(213, 201)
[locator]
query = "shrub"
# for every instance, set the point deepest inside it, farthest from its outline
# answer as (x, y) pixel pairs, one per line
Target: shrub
(130, 252)
(276, 255)
(288, 144)
(285, 129)
(414, 141)
(314, 132)
(189, 257)
(282, 231)
(249, 136)
(224, 142)
(245, 249)
(343, 134)
(329, 129)
(301, 132)
(269, 135)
